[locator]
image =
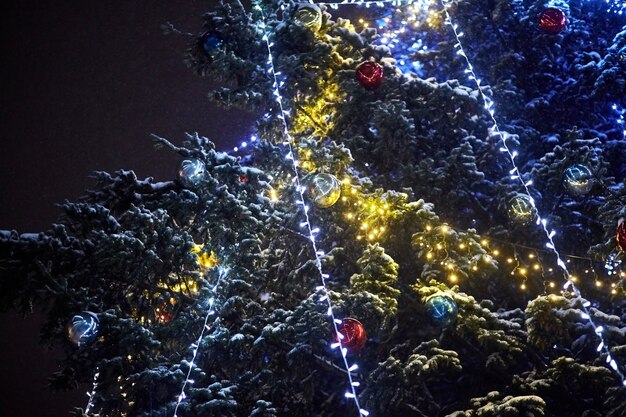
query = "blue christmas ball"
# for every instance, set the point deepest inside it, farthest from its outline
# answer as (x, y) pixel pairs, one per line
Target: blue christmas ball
(578, 179)
(83, 328)
(441, 309)
(211, 41)
(191, 172)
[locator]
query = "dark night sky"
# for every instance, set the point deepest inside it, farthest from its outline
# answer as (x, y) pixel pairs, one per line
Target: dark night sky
(83, 86)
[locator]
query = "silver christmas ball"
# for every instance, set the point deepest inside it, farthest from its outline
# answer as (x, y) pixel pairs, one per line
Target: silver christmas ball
(521, 209)
(83, 328)
(323, 189)
(578, 179)
(308, 15)
(191, 172)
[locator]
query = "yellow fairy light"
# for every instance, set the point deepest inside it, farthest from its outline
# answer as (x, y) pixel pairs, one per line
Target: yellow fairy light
(598, 283)
(453, 278)
(484, 242)
(445, 229)
(522, 271)
(273, 195)
(429, 255)
(552, 284)
(496, 252)
(462, 246)
(523, 286)
(531, 255)
(509, 260)
(536, 267)
(206, 260)
(429, 228)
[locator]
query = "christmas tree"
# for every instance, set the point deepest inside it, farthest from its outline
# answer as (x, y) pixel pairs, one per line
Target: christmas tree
(428, 221)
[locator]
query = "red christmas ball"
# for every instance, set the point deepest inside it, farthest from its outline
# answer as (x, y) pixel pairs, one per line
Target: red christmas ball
(552, 21)
(243, 179)
(369, 74)
(621, 235)
(353, 332)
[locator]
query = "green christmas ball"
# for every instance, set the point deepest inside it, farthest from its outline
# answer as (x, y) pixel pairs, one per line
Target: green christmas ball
(521, 209)
(441, 309)
(578, 179)
(308, 15)
(322, 189)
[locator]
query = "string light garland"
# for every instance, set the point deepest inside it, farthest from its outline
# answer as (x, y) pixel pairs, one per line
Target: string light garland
(397, 32)
(526, 265)
(222, 272)
(616, 6)
(243, 145)
(366, 3)
(306, 224)
(92, 393)
(515, 174)
(621, 114)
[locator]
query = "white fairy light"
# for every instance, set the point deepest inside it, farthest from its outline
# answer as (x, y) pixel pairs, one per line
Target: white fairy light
(306, 224)
(366, 3)
(196, 345)
(495, 128)
(92, 393)
(621, 113)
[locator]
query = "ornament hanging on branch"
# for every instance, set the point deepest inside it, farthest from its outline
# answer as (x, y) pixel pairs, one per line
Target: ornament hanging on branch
(441, 309)
(83, 328)
(210, 42)
(552, 21)
(322, 189)
(621, 235)
(309, 15)
(521, 209)
(578, 179)
(191, 172)
(369, 74)
(353, 335)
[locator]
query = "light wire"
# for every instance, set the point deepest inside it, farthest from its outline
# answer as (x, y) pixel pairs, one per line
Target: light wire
(196, 345)
(516, 175)
(92, 393)
(306, 224)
